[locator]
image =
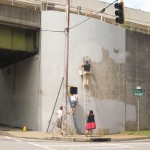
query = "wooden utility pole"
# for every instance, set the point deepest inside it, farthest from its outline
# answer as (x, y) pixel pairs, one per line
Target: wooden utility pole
(64, 117)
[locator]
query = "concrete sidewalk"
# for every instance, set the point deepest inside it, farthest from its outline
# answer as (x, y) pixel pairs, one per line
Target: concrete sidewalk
(77, 138)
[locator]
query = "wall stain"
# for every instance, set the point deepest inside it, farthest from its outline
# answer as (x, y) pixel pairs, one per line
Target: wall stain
(107, 80)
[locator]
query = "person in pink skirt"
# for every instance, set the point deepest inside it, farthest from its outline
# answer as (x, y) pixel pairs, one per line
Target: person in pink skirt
(90, 124)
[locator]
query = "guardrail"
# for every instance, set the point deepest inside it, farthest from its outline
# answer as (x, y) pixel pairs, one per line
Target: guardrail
(57, 5)
(36, 4)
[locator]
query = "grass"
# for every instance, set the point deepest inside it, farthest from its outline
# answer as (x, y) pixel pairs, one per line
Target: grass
(142, 133)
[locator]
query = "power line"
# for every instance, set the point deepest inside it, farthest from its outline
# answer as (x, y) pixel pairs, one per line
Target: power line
(54, 30)
(101, 11)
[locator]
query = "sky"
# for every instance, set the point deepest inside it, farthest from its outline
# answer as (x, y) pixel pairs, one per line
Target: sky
(137, 4)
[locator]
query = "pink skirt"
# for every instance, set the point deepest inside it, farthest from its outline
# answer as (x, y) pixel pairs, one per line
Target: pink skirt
(90, 125)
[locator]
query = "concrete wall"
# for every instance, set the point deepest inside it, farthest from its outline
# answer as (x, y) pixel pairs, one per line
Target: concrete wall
(19, 94)
(20, 83)
(137, 74)
(20, 16)
(104, 44)
(120, 62)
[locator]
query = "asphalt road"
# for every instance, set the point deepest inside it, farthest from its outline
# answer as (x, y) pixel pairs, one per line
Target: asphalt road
(11, 143)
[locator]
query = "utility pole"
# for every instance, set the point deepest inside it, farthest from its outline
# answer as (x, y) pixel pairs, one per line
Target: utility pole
(64, 117)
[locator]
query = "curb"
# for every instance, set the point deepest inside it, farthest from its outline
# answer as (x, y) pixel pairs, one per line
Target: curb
(5, 133)
(82, 139)
(72, 138)
(129, 139)
(59, 138)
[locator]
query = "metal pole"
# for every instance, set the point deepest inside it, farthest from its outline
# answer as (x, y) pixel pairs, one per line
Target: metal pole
(138, 113)
(55, 105)
(46, 4)
(64, 121)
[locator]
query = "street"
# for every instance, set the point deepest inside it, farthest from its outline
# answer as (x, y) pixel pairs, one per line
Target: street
(11, 143)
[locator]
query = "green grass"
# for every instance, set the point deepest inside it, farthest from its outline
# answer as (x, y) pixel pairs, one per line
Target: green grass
(142, 133)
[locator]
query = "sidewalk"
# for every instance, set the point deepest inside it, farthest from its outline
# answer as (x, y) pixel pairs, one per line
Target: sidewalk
(77, 138)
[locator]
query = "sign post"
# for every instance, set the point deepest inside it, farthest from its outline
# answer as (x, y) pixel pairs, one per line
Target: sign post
(138, 114)
(138, 92)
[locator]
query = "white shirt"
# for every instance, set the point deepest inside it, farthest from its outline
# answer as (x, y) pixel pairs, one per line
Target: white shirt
(59, 114)
(73, 97)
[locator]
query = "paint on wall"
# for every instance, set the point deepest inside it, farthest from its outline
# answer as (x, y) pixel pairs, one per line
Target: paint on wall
(104, 44)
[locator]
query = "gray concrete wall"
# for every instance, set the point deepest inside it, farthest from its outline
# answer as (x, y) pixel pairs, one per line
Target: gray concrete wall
(19, 94)
(20, 16)
(104, 44)
(137, 74)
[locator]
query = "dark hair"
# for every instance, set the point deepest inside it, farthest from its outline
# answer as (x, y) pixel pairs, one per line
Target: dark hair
(61, 107)
(91, 111)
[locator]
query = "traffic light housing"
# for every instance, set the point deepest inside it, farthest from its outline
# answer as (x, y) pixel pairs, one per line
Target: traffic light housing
(73, 90)
(119, 12)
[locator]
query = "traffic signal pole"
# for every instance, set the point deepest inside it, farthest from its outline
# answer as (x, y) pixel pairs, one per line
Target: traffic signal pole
(64, 116)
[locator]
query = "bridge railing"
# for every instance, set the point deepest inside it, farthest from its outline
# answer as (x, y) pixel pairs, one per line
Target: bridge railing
(36, 4)
(131, 24)
(61, 5)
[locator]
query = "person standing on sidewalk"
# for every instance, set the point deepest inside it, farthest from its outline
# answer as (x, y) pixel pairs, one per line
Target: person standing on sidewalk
(90, 124)
(59, 117)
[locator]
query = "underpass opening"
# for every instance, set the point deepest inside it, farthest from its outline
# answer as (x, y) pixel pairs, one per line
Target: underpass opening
(19, 77)
(17, 44)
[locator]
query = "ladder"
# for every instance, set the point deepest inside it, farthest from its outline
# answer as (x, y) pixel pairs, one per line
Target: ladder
(86, 91)
(86, 99)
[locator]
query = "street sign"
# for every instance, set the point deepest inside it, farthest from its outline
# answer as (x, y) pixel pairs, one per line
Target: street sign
(138, 92)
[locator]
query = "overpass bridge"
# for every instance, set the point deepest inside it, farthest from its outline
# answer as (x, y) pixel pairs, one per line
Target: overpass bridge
(20, 24)
(19, 34)
(27, 90)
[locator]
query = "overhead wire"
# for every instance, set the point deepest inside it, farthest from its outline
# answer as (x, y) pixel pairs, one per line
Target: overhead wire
(101, 11)
(53, 30)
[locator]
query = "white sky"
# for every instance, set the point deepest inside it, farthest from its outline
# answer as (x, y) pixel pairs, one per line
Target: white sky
(137, 4)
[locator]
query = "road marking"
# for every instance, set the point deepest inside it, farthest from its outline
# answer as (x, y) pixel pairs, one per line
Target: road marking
(7, 137)
(123, 146)
(77, 145)
(14, 139)
(44, 147)
(91, 146)
(88, 145)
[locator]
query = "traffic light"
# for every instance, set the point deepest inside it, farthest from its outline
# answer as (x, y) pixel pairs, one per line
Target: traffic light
(73, 90)
(119, 12)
